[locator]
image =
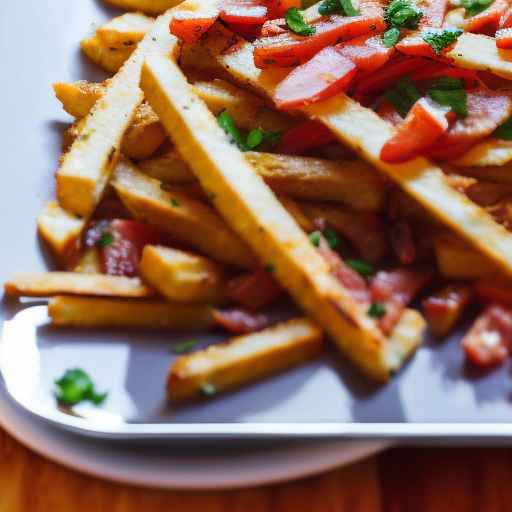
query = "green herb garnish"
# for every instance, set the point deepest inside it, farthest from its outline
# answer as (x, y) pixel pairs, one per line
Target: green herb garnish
(228, 125)
(391, 37)
(105, 240)
(402, 14)
(208, 389)
(259, 136)
(184, 346)
(296, 23)
(504, 131)
(332, 238)
(348, 8)
(441, 38)
(474, 7)
(76, 386)
(337, 7)
(315, 238)
(403, 96)
(377, 310)
(361, 267)
(449, 92)
(174, 202)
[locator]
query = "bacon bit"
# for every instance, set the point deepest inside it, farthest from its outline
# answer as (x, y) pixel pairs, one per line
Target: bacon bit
(238, 321)
(488, 342)
(253, 291)
(395, 289)
(402, 242)
(444, 309)
(304, 137)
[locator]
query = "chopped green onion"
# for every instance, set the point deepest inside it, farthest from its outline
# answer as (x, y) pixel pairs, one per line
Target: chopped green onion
(391, 37)
(315, 238)
(105, 240)
(76, 386)
(403, 96)
(228, 125)
(297, 24)
(332, 238)
(474, 7)
(184, 346)
(255, 138)
(348, 8)
(441, 38)
(377, 310)
(360, 266)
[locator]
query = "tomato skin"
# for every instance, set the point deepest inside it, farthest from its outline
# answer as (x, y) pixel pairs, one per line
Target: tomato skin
(414, 46)
(253, 291)
(238, 321)
(488, 342)
(368, 53)
(506, 19)
(488, 20)
(243, 12)
(278, 8)
(289, 50)
(304, 137)
(189, 29)
(325, 75)
(424, 124)
(504, 38)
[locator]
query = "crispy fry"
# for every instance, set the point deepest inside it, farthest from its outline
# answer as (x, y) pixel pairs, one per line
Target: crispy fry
(147, 6)
(181, 276)
(486, 153)
(169, 168)
(48, 284)
(196, 60)
(257, 216)
(78, 98)
(125, 31)
(294, 209)
(187, 220)
(364, 131)
(89, 312)
(244, 359)
(109, 59)
(495, 173)
(86, 168)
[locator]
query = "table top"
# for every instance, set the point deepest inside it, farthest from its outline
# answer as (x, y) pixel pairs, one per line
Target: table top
(399, 480)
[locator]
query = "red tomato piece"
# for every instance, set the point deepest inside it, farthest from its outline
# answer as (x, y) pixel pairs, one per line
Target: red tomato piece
(488, 342)
(436, 69)
(504, 38)
(238, 321)
(368, 53)
(189, 29)
(278, 8)
(304, 137)
(424, 124)
(243, 12)
(395, 289)
(433, 12)
(389, 113)
(249, 32)
(253, 291)
(402, 242)
(325, 75)
(289, 50)
(488, 20)
(415, 46)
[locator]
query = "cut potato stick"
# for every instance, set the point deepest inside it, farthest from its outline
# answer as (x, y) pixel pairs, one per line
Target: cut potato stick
(244, 359)
(250, 207)
(494, 173)
(365, 132)
(48, 284)
(89, 262)
(89, 312)
(187, 220)
(108, 59)
(78, 98)
(59, 230)
(488, 152)
(147, 6)
(86, 168)
(125, 31)
(169, 168)
(197, 60)
(181, 276)
(293, 208)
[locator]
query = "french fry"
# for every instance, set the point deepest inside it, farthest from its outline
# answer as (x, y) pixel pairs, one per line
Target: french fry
(125, 31)
(195, 59)
(244, 359)
(109, 59)
(250, 207)
(147, 6)
(365, 132)
(456, 260)
(181, 276)
(293, 208)
(486, 153)
(78, 98)
(169, 168)
(89, 262)
(59, 230)
(48, 284)
(495, 173)
(86, 168)
(90, 312)
(187, 220)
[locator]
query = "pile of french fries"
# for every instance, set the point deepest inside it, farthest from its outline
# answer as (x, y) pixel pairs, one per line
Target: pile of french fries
(147, 140)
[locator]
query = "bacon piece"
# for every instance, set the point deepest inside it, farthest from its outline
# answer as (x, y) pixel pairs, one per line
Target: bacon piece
(304, 137)
(238, 321)
(253, 291)
(368, 53)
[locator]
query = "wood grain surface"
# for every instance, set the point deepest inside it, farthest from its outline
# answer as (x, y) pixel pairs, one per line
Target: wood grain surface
(399, 480)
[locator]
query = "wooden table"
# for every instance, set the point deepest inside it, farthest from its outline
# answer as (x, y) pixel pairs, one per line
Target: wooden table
(399, 480)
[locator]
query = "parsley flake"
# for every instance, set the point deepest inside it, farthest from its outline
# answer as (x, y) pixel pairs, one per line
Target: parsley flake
(391, 37)
(228, 125)
(402, 14)
(315, 238)
(337, 6)
(504, 131)
(474, 7)
(449, 92)
(184, 346)
(174, 202)
(361, 267)
(332, 238)
(439, 39)
(76, 386)
(377, 310)
(403, 96)
(105, 240)
(296, 23)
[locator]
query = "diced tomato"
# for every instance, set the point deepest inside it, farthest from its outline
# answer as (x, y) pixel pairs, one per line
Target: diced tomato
(253, 291)
(402, 242)
(486, 111)
(424, 124)
(494, 292)
(304, 137)
(349, 278)
(487, 21)
(415, 46)
(288, 50)
(433, 12)
(274, 27)
(238, 321)
(278, 8)
(325, 75)
(488, 342)
(243, 12)
(389, 113)
(121, 243)
(395, 289)
(368, 53)
(190, 29)
(444, 309)
(385, 77)
(504, 38)
(437, 69)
